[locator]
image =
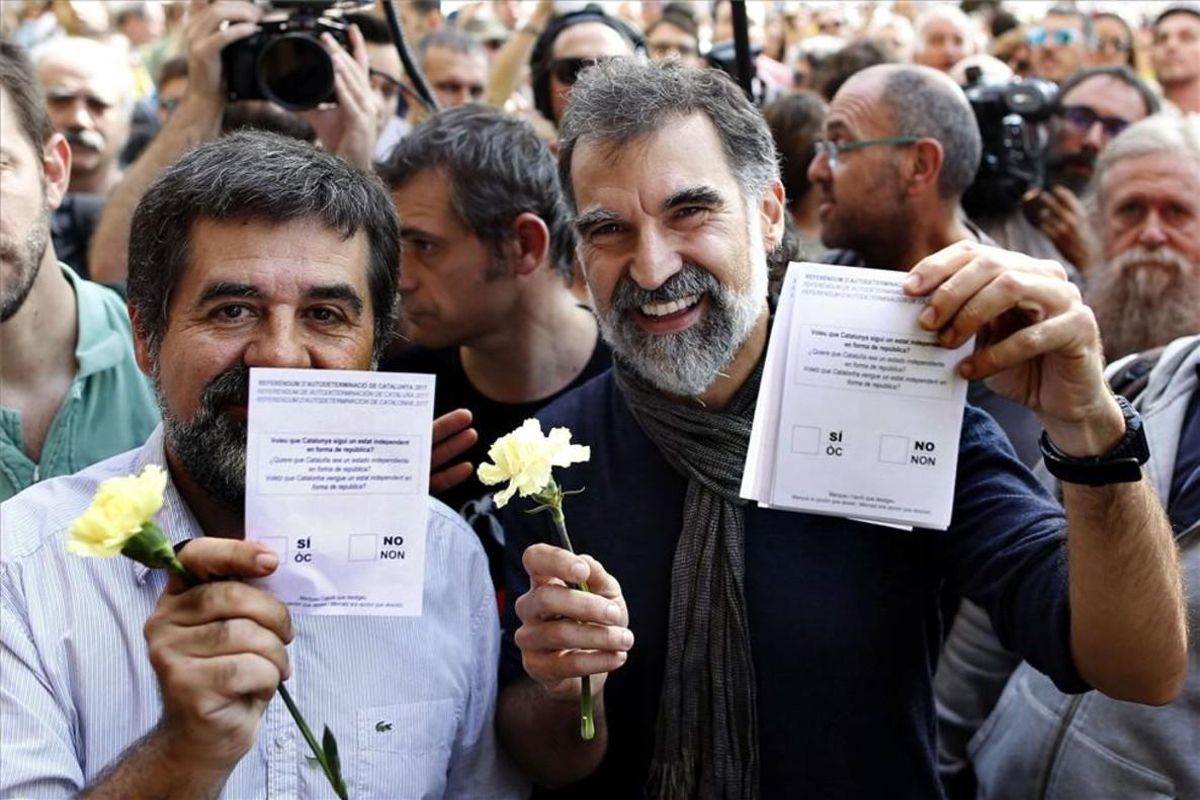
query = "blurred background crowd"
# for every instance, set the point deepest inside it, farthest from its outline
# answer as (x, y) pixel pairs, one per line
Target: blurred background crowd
(114, 71)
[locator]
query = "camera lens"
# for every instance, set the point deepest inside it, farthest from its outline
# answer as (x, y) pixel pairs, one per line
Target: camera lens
(295, 72)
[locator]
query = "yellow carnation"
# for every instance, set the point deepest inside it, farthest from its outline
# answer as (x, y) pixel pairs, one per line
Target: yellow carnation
(118, 511)
(525, 457)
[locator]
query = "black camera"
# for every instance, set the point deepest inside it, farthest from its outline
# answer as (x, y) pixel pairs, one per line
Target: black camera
(285, 62)
(1012, 121)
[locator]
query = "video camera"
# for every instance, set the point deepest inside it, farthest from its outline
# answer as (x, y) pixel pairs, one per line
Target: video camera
(285, 62)
(1012, 123)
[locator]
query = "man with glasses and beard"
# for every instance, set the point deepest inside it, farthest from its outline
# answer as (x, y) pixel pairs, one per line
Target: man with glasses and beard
(1093, 106)
(73, 394)
(741, 652)
(252, 251)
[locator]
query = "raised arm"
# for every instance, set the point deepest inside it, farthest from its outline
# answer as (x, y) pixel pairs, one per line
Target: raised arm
(196, 120)
(505, 74)
(1038, 345)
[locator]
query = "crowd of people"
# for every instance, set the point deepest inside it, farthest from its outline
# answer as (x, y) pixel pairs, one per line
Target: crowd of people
(582, 212)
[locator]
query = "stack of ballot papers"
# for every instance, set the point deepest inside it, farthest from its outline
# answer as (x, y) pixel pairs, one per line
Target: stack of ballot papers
(860, 409)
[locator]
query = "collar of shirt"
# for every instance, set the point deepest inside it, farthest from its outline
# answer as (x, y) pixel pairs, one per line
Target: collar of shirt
(175, 519)
(98, 346)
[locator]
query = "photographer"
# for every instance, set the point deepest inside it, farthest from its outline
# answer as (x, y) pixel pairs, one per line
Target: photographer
(1094, 105)
(347, 129)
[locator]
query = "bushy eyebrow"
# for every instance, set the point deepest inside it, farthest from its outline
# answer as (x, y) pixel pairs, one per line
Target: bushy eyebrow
(590, 220)
(691, 196)
(343, 292)
(222, 289)
(695, 196)
(417, 233)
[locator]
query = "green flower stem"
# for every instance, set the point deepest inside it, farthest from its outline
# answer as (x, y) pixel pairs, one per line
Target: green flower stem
(587, 714)
(167, 558)
(335, 779)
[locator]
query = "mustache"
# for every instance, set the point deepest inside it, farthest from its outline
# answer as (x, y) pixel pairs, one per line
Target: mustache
(231, 387)
(690, 280)
(1165, 256)
(84, 137)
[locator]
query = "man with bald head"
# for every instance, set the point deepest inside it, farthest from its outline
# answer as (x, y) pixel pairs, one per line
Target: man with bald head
(90, 96)
(889, 178)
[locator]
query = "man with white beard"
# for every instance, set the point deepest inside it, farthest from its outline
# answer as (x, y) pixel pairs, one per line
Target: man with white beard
(742, 652)
(1146, 211)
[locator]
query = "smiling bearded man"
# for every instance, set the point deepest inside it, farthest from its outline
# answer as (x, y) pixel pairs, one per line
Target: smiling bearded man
(743, 652)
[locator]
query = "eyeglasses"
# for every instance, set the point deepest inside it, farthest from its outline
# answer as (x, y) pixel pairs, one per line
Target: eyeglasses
(664, 50)
(1064, 37)
(832, 149)
(1082, 118)
(1109, 45)
(567, 69)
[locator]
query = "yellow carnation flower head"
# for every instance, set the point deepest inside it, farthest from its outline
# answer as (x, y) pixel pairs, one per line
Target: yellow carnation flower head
(118, 511)
(525, 457)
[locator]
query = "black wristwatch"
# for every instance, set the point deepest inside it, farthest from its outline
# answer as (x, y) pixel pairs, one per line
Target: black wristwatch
(1121, 464)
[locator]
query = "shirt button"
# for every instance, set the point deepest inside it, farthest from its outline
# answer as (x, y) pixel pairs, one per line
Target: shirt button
(283, 740)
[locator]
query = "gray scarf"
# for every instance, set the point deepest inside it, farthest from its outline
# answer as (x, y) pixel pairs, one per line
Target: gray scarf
(707, 733)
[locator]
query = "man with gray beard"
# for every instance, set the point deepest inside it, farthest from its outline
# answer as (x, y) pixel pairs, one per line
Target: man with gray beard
(252, 251)
(1146, 212)
(737, 651)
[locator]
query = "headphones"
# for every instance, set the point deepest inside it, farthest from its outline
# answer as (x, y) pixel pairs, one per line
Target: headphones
(541, 61)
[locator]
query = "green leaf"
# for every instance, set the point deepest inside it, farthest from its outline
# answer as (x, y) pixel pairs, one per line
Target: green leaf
(329, 745)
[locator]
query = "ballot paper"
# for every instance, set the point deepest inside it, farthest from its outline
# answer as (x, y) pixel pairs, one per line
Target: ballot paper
(337, 482)
(860, 409)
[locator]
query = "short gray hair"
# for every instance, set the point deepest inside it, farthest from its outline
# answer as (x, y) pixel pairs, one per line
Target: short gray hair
(621, 99)
(1160, 133)
(926, 104)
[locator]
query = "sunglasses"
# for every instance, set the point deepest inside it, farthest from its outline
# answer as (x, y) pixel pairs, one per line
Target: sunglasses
(1082, 118)
(1064, 37)
(567, 70)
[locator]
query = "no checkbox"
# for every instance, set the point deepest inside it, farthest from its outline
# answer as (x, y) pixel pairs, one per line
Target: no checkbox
(364, 547)
(893, 449)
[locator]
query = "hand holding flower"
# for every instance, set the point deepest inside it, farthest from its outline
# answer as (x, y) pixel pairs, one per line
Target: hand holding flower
(217, 648)
(218, 651)
(558, 651)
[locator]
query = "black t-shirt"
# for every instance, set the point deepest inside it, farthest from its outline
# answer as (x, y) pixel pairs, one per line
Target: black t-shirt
(492, 419)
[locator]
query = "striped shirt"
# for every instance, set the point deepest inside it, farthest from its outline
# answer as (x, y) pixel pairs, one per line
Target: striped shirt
(410, 699)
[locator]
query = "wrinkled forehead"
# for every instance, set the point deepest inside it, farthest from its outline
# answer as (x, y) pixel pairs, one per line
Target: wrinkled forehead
(60, 76)
(1165, 176)
(859, 109)
(1059, 22)
(653, 167)
(590, 40)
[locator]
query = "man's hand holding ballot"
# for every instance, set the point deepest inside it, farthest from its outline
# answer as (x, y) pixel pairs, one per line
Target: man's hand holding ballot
(779, 640)
(1038, 344)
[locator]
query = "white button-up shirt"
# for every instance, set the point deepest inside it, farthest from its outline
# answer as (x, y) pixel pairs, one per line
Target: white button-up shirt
(410, 699)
